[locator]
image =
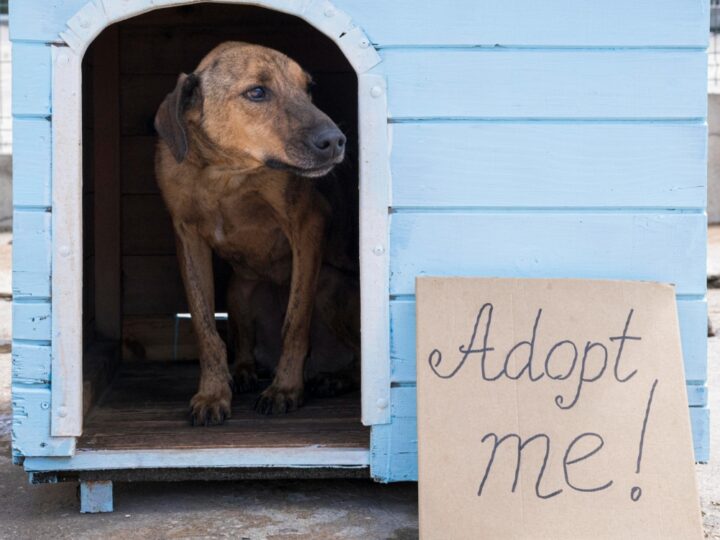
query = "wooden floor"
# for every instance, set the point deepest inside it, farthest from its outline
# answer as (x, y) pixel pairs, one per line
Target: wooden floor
(146, 407)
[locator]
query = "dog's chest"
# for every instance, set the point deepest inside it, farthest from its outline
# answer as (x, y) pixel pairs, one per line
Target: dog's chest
(244, 231)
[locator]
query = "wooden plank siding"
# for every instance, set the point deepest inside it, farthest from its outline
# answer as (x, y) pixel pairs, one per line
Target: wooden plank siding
(667, 247)
(545, 84)
(523, 163)
(567, 23)
(32, 156)
(394, 446)
(549, 165)
(691, 314)
(555, 139)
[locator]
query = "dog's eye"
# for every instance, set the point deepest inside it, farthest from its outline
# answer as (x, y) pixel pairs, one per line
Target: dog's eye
(258, 93)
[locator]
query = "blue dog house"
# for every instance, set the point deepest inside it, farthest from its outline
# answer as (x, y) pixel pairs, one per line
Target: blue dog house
(529, 139)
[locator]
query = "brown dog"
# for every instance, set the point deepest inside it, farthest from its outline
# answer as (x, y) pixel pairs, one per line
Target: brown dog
(240, 141)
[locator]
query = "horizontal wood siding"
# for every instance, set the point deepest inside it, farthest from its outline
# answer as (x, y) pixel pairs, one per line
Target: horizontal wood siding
(692, 315)
(662, 23)
(31, 363)
(32, 155)
(579, 84)
(394, 445)
(549, 165)
(665, 247)
(32, 247)
(543, 163)
(31, 78)
(561, 139)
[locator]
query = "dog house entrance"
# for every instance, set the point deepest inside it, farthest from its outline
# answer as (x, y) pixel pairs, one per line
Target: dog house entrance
(139, 364)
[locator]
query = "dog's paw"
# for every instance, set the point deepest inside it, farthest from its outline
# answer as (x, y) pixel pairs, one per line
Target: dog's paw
(210, 409)
(245, 379)
(275, 400)
(330, 384)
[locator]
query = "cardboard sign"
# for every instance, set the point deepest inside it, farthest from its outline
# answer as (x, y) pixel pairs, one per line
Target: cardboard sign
(552, 409)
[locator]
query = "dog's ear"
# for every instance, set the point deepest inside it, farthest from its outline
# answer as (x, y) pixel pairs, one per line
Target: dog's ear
(170, 117)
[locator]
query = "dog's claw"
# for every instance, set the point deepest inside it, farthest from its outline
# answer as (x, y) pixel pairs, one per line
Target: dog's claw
(276, 401)
(209, 410)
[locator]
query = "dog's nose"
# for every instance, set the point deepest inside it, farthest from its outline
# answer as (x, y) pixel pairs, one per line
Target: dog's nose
(329, 142)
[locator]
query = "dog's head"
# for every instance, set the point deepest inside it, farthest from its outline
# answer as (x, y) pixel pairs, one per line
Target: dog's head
(250, 107)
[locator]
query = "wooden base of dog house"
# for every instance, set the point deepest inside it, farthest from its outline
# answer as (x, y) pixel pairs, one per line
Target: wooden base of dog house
(139, 431)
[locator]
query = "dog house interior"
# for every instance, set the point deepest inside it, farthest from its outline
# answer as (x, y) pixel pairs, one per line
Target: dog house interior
(140, 357)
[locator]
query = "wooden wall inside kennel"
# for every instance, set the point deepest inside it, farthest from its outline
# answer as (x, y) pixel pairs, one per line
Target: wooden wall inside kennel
(133, 292)
(133, 284)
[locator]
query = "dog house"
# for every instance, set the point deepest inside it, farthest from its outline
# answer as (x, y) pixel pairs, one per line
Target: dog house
(552, 139)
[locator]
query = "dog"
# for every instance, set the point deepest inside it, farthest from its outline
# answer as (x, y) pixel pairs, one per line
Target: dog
(239, 161)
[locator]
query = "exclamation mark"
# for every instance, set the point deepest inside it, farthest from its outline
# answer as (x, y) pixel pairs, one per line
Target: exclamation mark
(636, 492)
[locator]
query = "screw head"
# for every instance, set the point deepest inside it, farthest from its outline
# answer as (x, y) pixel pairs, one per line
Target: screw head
(64, 251)
(364, 44)
(379, 249)
(62, 412)
(376, 91)
(329, 11)
(382, 403)
(45, 405)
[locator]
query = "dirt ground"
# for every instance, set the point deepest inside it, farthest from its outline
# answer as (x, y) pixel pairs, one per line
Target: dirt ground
(317, 510)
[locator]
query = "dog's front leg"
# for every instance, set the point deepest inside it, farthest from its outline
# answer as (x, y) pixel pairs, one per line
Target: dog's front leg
(211, 404)
(285, 394)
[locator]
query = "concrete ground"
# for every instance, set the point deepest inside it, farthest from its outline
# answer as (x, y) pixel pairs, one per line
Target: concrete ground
(257, 510)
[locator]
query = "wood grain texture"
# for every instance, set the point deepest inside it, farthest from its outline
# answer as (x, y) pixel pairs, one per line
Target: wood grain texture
(67, 247)
(531, 23)
(32, 153)
(394, 446)
(178, 49)
(146, 408)
(137, 172)
(152, 285)
(146, 226)
(31, 363)
(426, 83)
(96, 497)
(270, 461)
(700, 423)
(374, 254)
(31, 79)
(691, 314)
(32, 249)
(668, 247)
(107, 189)
(31, 320)
(549, 165)
(31, 423)
(465, 22)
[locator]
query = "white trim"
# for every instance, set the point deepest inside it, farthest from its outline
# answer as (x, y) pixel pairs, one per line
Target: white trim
(81, 30)
(67, 245)
(374, 248)
(96, 15)
(306, 457)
